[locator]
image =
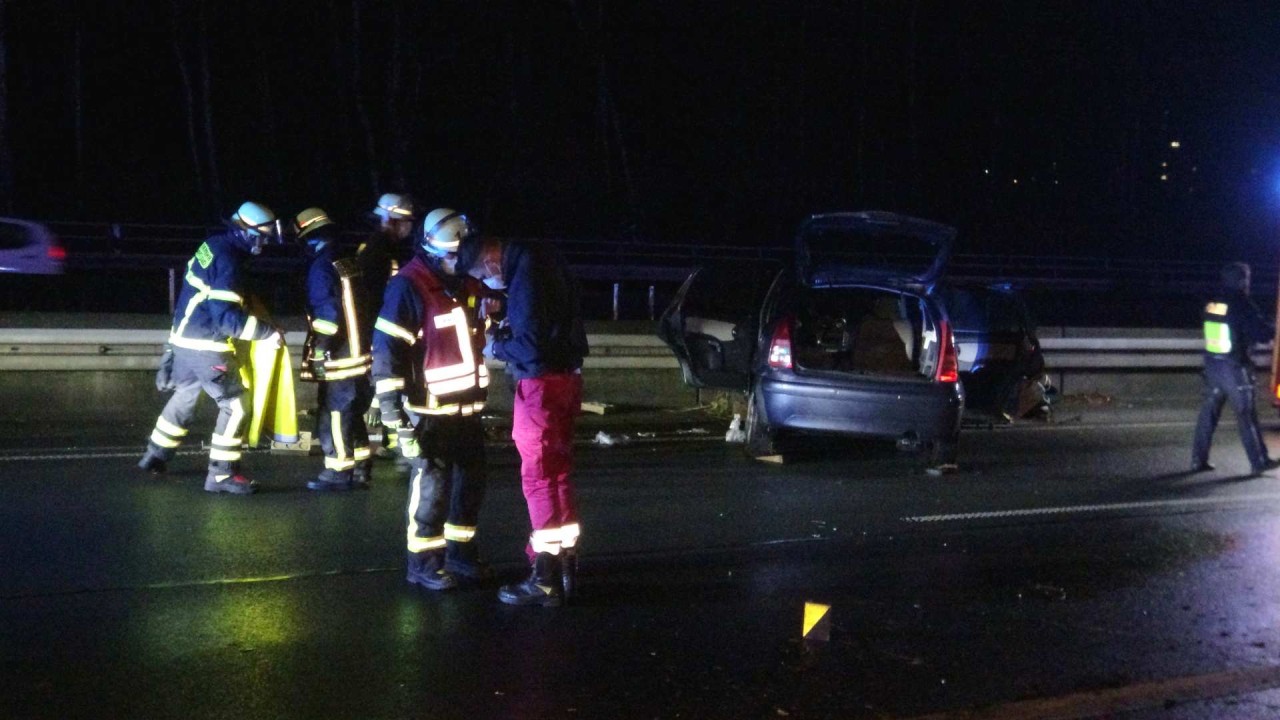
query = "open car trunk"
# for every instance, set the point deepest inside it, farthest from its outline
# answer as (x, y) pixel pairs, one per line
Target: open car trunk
(865, 333)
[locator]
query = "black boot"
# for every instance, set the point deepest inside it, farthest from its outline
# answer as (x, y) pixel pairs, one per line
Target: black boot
(463, 559)
(544, 586)
(153, 462)
(569, 573)
(427, 569)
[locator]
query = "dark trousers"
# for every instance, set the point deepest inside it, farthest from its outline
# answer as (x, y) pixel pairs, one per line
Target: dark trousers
(1228, 380)
(218, 376)
(340, 425)
(447, 484)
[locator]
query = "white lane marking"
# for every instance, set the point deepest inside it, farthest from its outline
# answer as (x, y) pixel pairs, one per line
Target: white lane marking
(88, 455)
(1139, 696)
(1106, 507)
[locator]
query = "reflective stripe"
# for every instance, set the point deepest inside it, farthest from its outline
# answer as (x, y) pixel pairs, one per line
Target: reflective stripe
(459, 533)
(345, 374)
(349, 306)
(237, 417)
(163, 440)
(349, 362)
(446, 387)
(387, 385)
(415, 496)
(417, 544)
(1217, 337)
(339, 464)
(227, 455)
(250, 328)
(1216, 308)
(569, 534)
(361, 453)
(324, 327)
(218, 346)
(226, 440)
(169, 428)
(546, 540)
(395, 330)
(335, 428)
(450, 409)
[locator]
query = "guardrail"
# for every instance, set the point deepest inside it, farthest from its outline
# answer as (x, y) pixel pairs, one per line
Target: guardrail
(1072, 350)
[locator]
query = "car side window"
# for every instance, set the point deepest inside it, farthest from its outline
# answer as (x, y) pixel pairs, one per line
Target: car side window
(12, 236)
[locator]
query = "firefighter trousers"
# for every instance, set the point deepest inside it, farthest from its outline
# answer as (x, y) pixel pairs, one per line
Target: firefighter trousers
(448, 481)
(544, 413)
(1227, 380)
(218, 376)
(340, 427)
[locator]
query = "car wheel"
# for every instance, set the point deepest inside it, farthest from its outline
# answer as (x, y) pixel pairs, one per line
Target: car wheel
(761, 441)
(943, 451)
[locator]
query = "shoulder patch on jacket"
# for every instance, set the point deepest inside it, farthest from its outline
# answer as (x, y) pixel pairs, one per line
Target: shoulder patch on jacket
(204, 255)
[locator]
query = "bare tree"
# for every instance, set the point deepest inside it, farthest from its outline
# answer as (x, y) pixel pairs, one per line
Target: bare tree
(6, 157)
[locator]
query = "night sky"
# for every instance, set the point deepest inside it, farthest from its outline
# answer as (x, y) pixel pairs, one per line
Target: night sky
(1035, 127)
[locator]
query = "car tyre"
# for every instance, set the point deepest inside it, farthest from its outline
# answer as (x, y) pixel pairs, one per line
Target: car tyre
(761, 439)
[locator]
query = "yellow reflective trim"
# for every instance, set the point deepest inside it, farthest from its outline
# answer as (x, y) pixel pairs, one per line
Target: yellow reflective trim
(227, 455)
(226, 440)
(339, 464)
(250, 327)
(395, 330)
(169, 428)
(163, 440)
(345, 374)
(349, 362)
(569, 534)
(361, 453)
(218, 346)
(388, 385)
(547, 541)
(417, 544)
(237, 417)
(324, 327)
(446, 387)
(1217, 337)
(349, 306)
(460, 533)
(335, 428)
(1216, 308)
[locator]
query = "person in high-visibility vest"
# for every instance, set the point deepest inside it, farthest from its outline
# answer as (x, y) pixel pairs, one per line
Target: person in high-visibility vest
(210, 313)
(431, 384)
(1232, 324)
(543, 343)
(336, 354)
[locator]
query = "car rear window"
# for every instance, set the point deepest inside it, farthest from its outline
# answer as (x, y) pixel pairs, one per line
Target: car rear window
(861, 330)
(12, 236)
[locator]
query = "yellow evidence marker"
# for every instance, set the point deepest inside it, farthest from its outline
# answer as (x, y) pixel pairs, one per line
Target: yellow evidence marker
(817, 622)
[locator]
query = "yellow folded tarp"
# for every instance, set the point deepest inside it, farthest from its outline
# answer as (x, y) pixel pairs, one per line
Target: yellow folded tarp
(268, 374)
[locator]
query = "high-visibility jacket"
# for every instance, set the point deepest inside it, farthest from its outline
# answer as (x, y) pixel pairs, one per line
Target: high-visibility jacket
(335, 334)
(1232, 323)
(210, 310)
(428, 343)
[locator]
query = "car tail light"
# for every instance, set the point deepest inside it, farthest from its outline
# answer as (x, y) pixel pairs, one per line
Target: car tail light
(780, 345)
(56, 252)
(948, 361)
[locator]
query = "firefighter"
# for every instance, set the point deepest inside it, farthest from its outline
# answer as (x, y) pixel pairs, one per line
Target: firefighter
(336, 355)
(1232, 324)
(381, 256)
(431, 382)
(208, 316)
(543, 344)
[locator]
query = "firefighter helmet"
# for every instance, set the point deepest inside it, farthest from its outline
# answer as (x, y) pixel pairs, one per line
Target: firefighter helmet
(309, 221)
(393, 206)
(256, 225)
(444, 230)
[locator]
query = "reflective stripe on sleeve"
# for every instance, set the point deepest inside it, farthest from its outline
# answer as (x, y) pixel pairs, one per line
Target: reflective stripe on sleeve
(218, 346)
(324, 327)
(395, 330)
(250, 327)
(387, 385)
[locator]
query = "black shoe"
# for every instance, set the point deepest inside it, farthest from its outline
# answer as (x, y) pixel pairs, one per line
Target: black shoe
(427, 569)
(544, 586)
(361, 478)
(569, 574)
(331, 481)
(235, 484)
(153, 464)
(1202, 467)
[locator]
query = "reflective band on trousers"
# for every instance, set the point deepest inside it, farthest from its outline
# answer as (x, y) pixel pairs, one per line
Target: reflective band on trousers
(459, 533)
(1217, 337)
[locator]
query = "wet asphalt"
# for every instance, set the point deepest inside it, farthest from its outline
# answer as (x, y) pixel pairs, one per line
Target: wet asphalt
(1069, 569)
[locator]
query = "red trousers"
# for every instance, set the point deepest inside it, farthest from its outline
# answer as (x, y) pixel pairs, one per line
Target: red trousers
(545, 411)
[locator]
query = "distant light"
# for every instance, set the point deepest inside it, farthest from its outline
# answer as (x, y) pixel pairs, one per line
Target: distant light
(986, 171)
(1164, 164)
(1015, 181)
(1175, 144)
(1164, 177)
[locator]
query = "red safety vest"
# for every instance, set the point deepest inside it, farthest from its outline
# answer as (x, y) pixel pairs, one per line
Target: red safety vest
(453, 364)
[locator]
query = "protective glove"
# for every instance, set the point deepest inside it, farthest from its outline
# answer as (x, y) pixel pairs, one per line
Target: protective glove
(408, 444)
(488, 345)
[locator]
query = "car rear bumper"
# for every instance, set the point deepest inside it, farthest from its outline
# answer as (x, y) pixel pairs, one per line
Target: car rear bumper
(920, 410)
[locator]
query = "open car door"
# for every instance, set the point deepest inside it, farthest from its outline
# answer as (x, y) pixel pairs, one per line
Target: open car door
(713, 322)
(871, 246)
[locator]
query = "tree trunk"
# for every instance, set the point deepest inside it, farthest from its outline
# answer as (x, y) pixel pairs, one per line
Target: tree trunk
(206, 93)
(184, 69)
(361, 113)
(6, 157)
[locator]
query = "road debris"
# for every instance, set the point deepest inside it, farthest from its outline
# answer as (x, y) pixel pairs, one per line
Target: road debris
(735, 433)
(597, 408)
(604, 438)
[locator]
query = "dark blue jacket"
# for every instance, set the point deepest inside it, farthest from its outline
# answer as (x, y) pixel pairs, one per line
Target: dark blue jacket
(210, 308)
(544, 332)
(324, 302)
